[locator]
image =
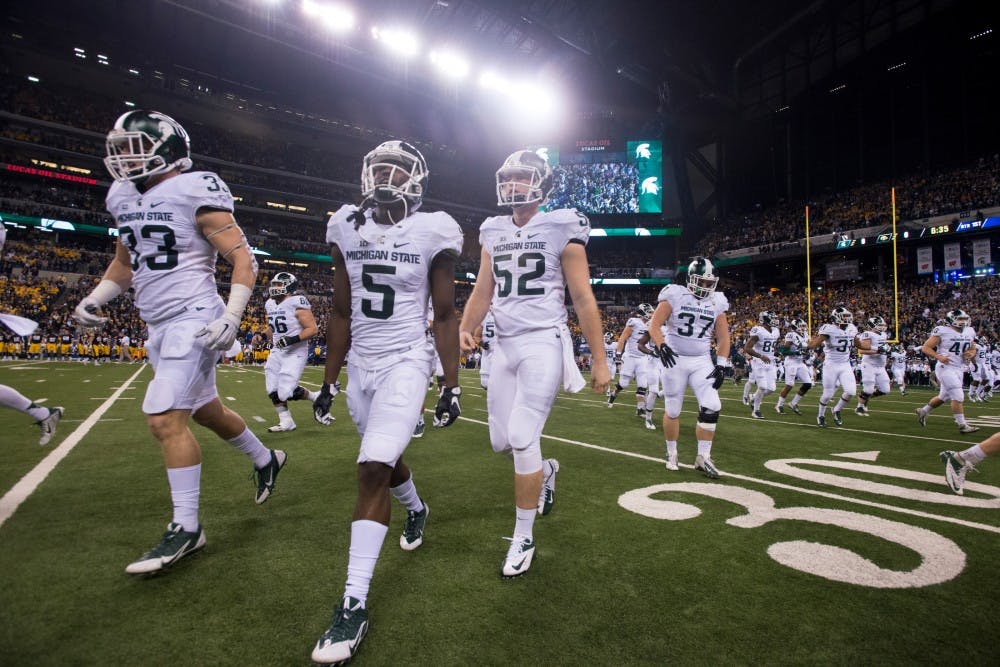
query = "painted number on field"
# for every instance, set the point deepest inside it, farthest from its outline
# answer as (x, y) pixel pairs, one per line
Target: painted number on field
(941, 559)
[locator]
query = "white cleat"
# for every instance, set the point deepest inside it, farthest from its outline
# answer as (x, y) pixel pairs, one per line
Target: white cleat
(705, 464)
(519, 557)
(49, 424)
(282, 427)
(672, 462)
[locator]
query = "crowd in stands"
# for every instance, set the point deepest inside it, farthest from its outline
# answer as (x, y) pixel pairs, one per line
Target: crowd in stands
(601, 187)
(969, 188)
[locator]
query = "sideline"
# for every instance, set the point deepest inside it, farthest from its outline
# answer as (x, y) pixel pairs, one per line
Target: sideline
(27, 485)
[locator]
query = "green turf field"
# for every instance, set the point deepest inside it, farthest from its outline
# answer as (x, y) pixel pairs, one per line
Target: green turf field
(840, 546)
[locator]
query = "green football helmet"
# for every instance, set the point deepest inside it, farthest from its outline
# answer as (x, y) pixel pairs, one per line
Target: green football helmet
(701, 278)
(146, 143)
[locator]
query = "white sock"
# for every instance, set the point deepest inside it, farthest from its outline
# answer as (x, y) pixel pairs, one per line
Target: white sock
(705, 448)
(250, 444)
(366, 543)
(822, 409)
(973, 455)
(406, 493)
(757, 398)
(650, 404)
(781, 401)
(185, 487)
(525, 522)
(12, 398)
(284, 416)
(841, 404)
(671, 447)
(959, 418)
(312, 395)
(746, 390)
(926, 409)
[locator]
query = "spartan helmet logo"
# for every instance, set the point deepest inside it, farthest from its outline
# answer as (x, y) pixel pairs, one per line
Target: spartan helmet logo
(642, 152)
(650, 186)
(543, 153)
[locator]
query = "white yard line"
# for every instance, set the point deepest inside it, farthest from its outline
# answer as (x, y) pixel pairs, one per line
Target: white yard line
(27, 485)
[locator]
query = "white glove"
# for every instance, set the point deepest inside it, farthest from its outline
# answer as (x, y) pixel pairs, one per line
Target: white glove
(220, 334)
(87, 313)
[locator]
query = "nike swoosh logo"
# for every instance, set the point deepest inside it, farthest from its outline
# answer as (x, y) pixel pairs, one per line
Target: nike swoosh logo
(520, 565)
(531, 236)
(400, 245)
(156, 204)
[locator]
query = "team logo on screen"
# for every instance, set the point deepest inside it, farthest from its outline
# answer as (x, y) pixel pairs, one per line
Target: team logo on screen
(543, 153)
(642, 153)
(650, 186)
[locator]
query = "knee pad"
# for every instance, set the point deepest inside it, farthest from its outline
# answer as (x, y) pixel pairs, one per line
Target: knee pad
(298, 394)
(806, 386)
(864, 395)
(274, 398)
(672, 406)
(878, 392)
(640, 391)
(528, 460)
(707, 419)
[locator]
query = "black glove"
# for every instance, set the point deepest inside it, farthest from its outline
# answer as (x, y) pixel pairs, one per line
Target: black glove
(286, 341)
(484, 344)
(618, 361)
(448, 408)
(882, 349)
(666, 355)
(717, 376)
(323, 403)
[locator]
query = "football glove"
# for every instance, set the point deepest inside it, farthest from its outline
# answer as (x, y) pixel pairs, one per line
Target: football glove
(286, 341)
(87, 313)
(448, 408)
(618, 361)
(484, 344)
(717, 376)
(882, 349)
(666, 355)
(323, 403)
(220, 334)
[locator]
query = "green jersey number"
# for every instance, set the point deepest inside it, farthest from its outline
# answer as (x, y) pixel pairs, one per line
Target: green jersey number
(368, 273)
(165, 257)
(505, 278)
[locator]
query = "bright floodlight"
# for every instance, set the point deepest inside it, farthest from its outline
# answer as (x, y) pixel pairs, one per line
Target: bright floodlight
(334, 17)
(493, 81)
(400, 42)
(450, 64)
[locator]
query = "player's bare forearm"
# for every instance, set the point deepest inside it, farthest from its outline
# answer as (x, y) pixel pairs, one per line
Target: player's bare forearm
(338, 331)
(445, 322)
(120, 268)
(482, 293)
(660, 317)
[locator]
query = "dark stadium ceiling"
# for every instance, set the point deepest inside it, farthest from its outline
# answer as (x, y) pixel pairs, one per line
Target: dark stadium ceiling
(721, 58)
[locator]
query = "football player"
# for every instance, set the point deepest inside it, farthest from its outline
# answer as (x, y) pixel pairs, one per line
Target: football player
(47, 419)
(528, 260)
(388, 258)
(760, 350)
(692, 314)
(486, 334)
(172, 226)
(290, 326)
(952, 344)
(874, 378)
(838, 337)
(610, 347)
(796, 367)
(633, 361)
(897, 364)
(982, 376)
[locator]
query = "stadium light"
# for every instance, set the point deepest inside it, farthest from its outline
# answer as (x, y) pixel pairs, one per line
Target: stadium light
(450, 64)
(490, 80)
(33, 79)
(335, 17)
(401, 42)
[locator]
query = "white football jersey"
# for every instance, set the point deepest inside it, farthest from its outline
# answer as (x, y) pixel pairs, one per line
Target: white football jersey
(839, 342)
(389, 267)
(875, 339)
(954, 343)
(283, 318)
(489, 330)
(767, 341)
(898, 359)
(530, 289)
(639, 328)
(173, 265)
(691, 324)
(3, 235)
(796, 343)
(995, 358)
(982, 356)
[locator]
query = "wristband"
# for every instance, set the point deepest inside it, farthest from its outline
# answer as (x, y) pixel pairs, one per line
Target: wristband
(239, 297)
(105, 291)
